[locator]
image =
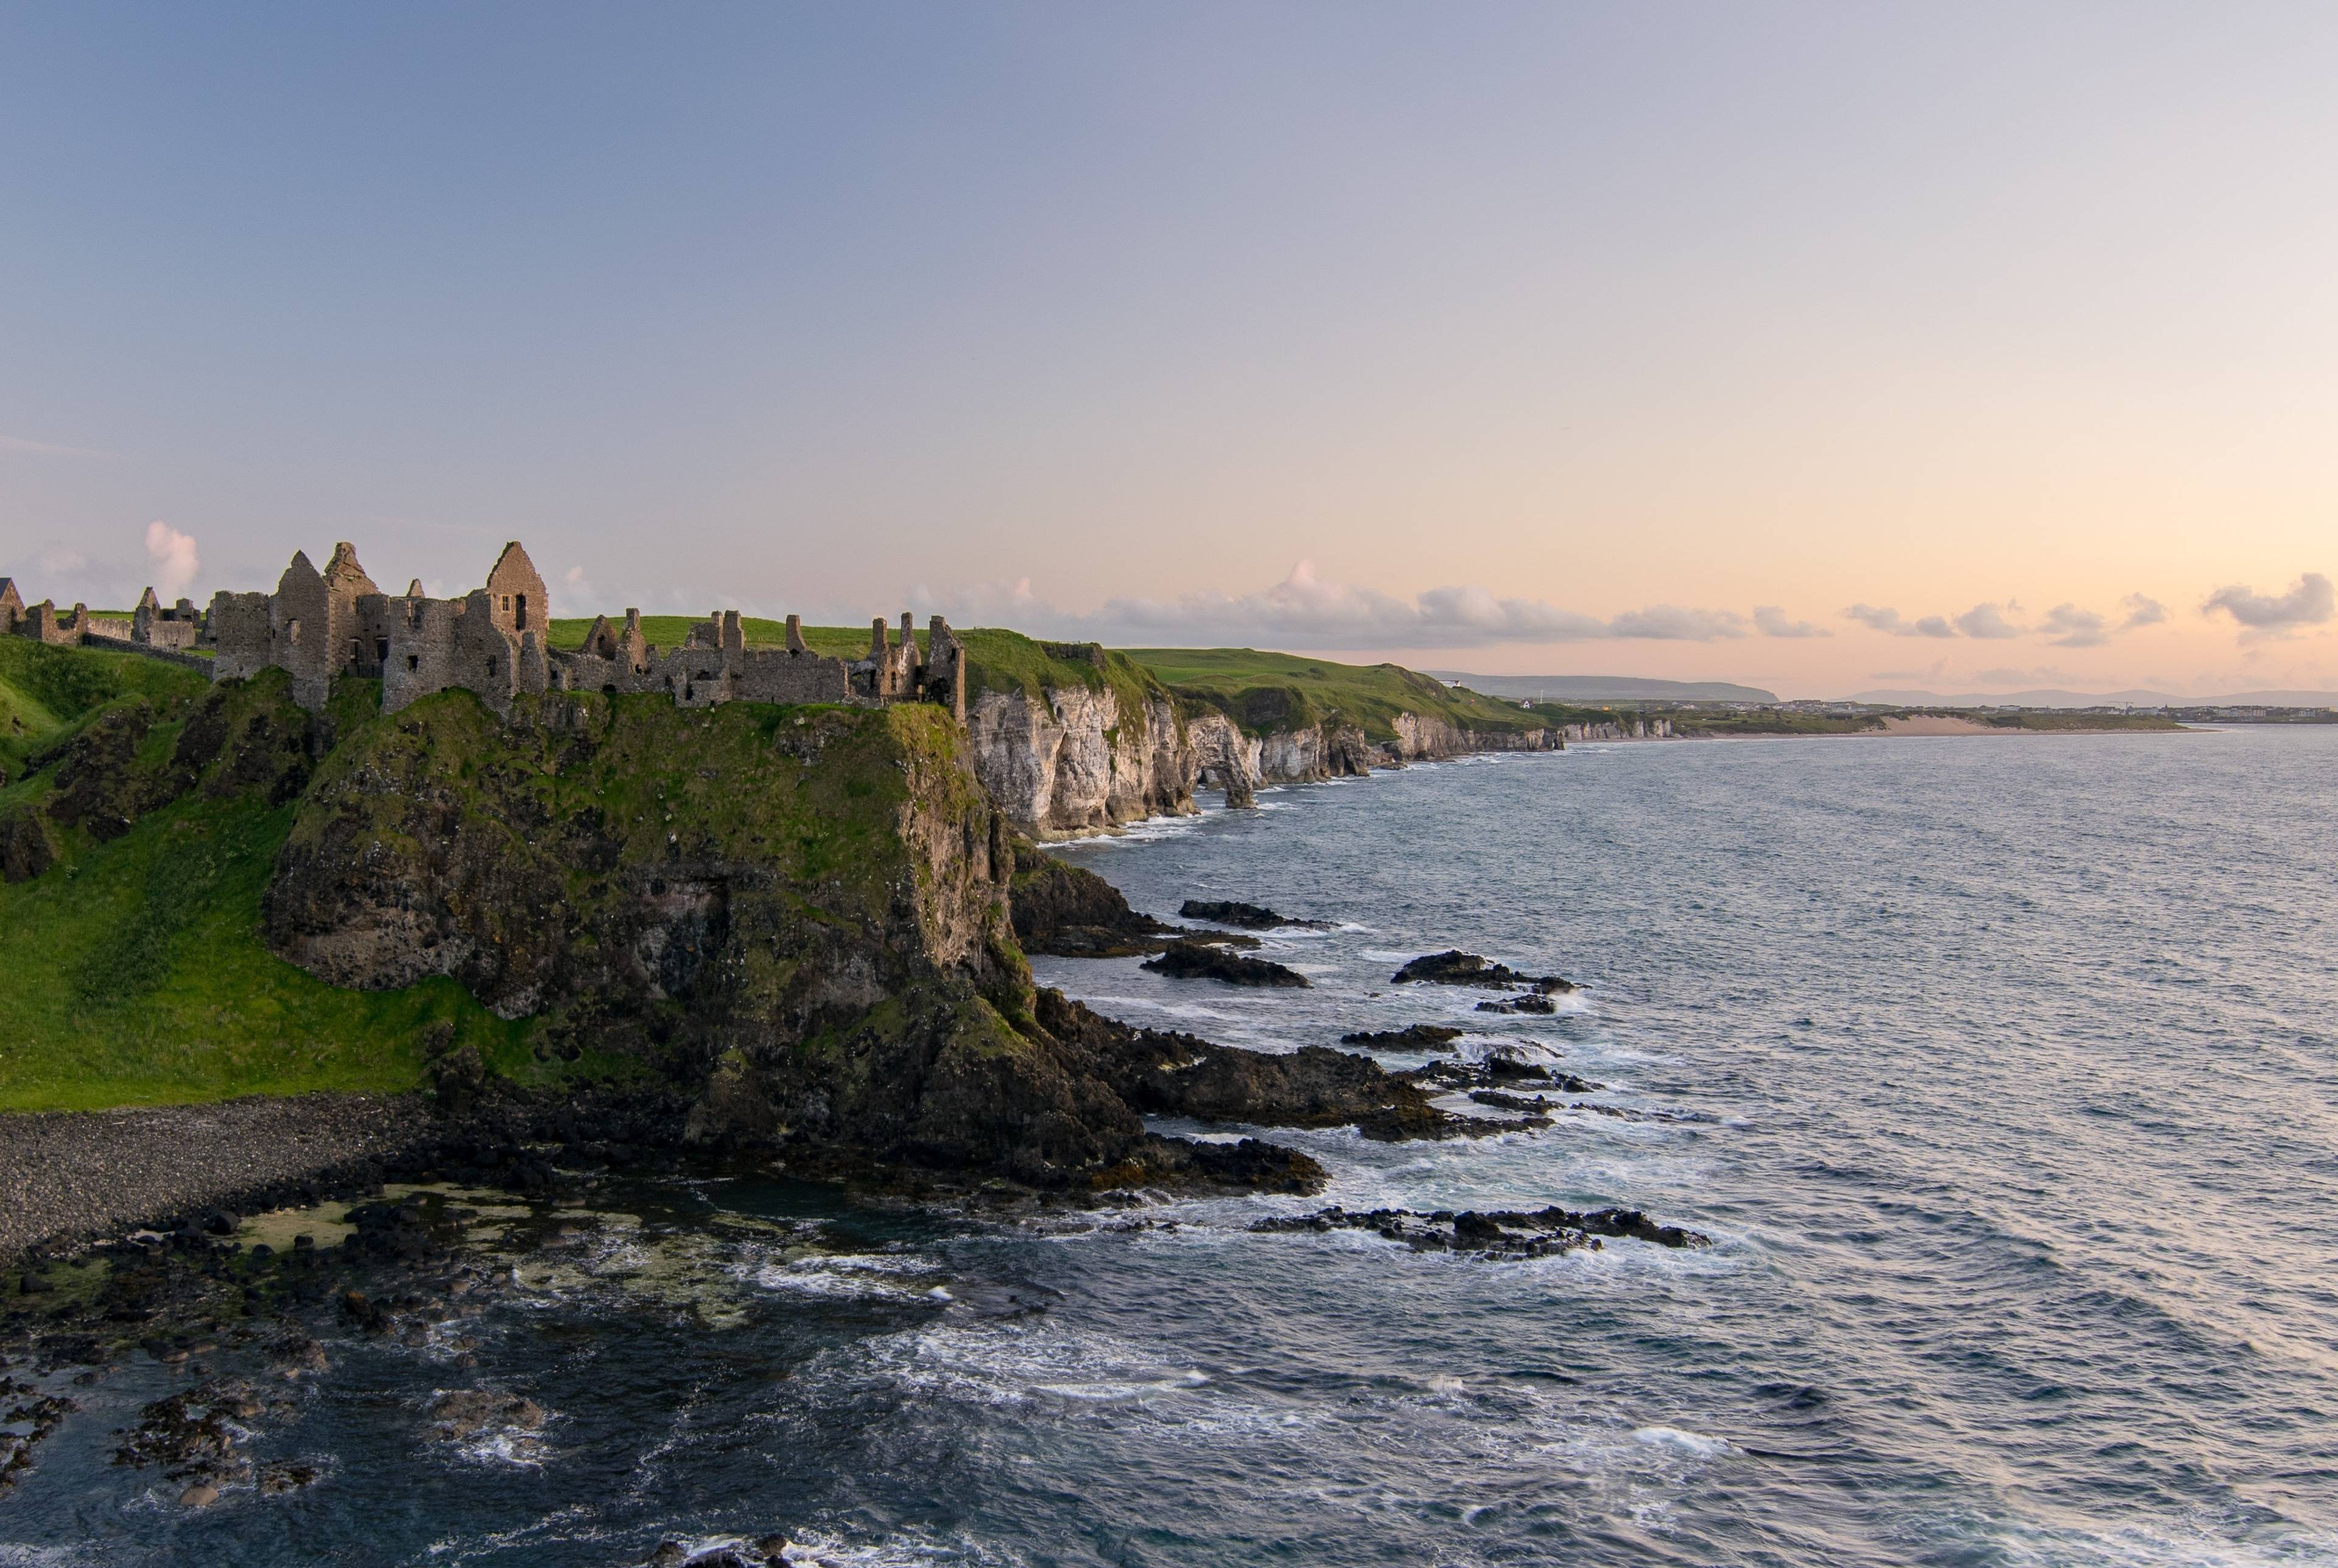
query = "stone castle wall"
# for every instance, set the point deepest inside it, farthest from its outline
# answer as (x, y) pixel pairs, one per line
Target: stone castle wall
(493, 642)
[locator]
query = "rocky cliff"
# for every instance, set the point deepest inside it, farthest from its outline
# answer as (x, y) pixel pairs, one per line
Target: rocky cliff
(801, 916)
(1088, 739)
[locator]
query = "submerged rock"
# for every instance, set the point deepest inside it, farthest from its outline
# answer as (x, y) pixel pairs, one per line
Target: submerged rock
(1249, 917)
(1412, 1037)
(1192, 961)
(1499, 1234)
(1455, 968)
(460, 1413)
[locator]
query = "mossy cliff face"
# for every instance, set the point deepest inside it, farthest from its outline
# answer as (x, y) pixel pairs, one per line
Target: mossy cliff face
(602, 856)
(798, 915)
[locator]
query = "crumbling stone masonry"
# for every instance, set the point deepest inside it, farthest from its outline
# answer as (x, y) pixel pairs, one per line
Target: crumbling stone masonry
(493, 642)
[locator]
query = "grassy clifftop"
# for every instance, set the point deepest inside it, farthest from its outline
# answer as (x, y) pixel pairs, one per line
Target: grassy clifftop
(1267, 693)
(46, 693)
(148, 814)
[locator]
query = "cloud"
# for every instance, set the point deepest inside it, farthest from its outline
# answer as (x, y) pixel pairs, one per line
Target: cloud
(1307, 611)
(576, 592)
(1887, 619)
(2142, 611)
(170, 556)
(1670, 623)
(1772, 622)
(49, 448)
(2310, 602)
(1987, 621)
(2071, 627)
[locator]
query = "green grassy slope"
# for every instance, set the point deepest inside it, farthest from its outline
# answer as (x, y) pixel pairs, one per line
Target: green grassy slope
(1269, 692)
(134, 971)
(46, 693)
(137, 976)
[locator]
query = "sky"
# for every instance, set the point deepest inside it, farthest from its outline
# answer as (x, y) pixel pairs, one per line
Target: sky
(1822, 347)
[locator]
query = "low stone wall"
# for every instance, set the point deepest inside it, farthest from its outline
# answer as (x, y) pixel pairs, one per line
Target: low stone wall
(167, 655)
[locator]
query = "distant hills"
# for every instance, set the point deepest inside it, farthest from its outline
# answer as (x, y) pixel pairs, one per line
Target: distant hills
(2054, 697)
(1604, 688)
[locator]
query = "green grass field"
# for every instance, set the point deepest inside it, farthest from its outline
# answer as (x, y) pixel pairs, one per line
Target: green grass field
(46, 693)
(134, 971)
(1270, 693)
(137, 976)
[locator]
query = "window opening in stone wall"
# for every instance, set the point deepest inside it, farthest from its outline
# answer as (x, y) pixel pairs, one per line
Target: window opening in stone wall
(491, 666)
(414, 661)
(519, 610)
(381, 650)
(292, 632)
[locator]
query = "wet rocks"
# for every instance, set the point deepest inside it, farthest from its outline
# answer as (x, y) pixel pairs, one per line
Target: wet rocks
(1496, 1235)
(23, 1404)
(1067, 911)
(1163, 1074)
(1500, 1069)
(196, 1437)
(1412, 1037)
(1455, 968)
(1523, 1002)
(1249, 917)
(458, 1414)
(1192, 961)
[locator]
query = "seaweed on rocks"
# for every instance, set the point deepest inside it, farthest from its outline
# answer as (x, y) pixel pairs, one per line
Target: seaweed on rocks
(1498, 1234)
(1412, 1037)
(1455, 968)
(1249, 917)
(1192, 961)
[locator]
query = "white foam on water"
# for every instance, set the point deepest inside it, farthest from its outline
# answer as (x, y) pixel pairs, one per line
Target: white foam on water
(1691, 1443)
(852, 1275)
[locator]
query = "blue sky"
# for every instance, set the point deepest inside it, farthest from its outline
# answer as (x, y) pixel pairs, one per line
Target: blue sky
(1650, 338)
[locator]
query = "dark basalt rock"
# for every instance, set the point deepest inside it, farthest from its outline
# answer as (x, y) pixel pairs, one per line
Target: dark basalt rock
(1500, 1068)
(1163, 1073)
(1524, 1002)
(25, 848)
(1249, 917)
(1412, 1037)
(1501, 1234)
(1192, 961)
(1455, 968)
(1064, 911)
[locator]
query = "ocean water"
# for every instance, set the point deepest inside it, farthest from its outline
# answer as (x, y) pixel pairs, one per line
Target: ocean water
(2003, 1073)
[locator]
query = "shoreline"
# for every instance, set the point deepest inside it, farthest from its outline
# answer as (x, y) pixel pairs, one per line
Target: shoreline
(74, 1177)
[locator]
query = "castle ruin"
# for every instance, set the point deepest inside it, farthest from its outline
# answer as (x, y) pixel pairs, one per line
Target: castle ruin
(317, 626)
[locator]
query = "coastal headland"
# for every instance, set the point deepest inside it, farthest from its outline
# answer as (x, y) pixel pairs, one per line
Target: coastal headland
(722, 884)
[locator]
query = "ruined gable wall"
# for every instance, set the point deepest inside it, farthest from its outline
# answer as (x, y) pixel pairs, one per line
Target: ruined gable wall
(302, 616)
(517, 598)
